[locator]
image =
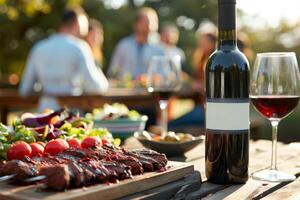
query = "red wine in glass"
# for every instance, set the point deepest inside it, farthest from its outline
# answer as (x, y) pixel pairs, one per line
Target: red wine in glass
(275, 107)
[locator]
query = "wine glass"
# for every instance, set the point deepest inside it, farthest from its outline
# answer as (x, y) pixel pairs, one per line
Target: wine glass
(163, 78)
(274, 92)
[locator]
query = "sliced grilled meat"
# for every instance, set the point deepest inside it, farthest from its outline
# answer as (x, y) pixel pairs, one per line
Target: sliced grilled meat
(120, 170)
(83, 167)
(134, 164)
(22, 169)
(77, 175)
(160, 159)
(151, 160)
(2, 163)
(58, 176)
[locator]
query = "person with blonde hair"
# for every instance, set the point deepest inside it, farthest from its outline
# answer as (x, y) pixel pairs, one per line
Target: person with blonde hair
(132, 54)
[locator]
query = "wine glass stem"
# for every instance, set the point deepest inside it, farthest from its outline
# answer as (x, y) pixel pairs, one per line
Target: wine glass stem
(274, 144)
(163, 104)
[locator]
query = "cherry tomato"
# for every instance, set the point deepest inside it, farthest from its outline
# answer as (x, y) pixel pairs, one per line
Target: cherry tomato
(104, 141)
(42, 143)
(56, 146)
(37, 149)
(91, 141)
(18, 150)
(74, 142)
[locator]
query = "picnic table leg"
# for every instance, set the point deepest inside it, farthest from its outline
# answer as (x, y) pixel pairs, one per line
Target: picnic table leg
(3, 115)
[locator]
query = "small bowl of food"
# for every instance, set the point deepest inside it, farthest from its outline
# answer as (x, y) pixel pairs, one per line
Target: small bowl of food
(173, 144)
(118, 120)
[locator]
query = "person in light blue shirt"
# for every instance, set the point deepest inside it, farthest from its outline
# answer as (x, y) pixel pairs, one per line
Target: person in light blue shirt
(63, 64)
(169, 36)
(132, 54)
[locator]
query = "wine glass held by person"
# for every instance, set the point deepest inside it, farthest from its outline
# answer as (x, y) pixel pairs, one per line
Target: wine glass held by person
(63, 64)
(163, 78)
(206, 44)
(132, 54)
(95, 38)
(169, 35)
(274, 92)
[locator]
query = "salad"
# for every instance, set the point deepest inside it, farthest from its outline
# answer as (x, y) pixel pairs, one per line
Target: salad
(113, 112)
(31, 131)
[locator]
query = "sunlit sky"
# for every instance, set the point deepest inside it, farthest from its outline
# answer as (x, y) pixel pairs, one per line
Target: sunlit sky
(269, 11)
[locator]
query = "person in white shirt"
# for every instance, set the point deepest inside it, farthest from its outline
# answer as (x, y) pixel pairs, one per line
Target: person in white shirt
(63, 64)
(169, 36)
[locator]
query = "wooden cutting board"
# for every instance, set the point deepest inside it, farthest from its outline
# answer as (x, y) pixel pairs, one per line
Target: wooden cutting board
(176, 170)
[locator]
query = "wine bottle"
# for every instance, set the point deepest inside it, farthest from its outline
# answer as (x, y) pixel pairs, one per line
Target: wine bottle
(227, 104)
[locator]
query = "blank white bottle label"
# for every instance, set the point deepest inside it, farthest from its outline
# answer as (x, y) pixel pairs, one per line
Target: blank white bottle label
(224, 115)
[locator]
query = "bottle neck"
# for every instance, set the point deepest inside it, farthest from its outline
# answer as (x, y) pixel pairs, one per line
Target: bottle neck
(227, 24)
(227, 39)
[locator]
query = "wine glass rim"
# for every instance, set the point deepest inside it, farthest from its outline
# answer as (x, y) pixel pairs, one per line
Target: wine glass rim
(276, 54)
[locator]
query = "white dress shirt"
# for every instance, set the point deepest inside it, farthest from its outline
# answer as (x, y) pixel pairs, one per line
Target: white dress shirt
(63, 65)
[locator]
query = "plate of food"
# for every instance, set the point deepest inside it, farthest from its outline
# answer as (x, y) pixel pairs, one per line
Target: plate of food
(64, 154)
(173, 144)
(118, 119)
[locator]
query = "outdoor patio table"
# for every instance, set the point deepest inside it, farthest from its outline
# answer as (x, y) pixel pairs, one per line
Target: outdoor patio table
(10, 99)
(190, 188)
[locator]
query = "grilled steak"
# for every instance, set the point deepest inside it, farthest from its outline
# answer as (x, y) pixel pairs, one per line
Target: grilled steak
(58, 176)
(21, 169)
(83, 167)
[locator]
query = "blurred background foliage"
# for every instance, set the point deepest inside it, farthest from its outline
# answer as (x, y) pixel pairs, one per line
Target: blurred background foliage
(25, 22)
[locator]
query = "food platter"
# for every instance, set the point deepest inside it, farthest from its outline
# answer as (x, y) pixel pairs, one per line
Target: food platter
(175, 171)
(60, 155)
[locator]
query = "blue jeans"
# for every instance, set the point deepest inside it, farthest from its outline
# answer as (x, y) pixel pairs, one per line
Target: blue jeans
(192, 118)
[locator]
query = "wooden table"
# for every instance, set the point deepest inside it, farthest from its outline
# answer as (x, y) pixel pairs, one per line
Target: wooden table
(11, 100)
(260, 155)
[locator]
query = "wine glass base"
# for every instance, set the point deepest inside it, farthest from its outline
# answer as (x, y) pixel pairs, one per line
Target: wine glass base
(272, 176)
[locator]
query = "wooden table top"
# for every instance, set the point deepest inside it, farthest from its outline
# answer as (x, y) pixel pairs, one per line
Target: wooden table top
(10, 98)
(132, 97)
(288, 160)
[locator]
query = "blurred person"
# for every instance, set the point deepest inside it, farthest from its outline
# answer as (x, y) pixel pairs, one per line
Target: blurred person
(132, 54)
(206, 37)
(169, 36)
(95, 38)
(131, 57)
(63, 64)
(206, 45)
(244, 45)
